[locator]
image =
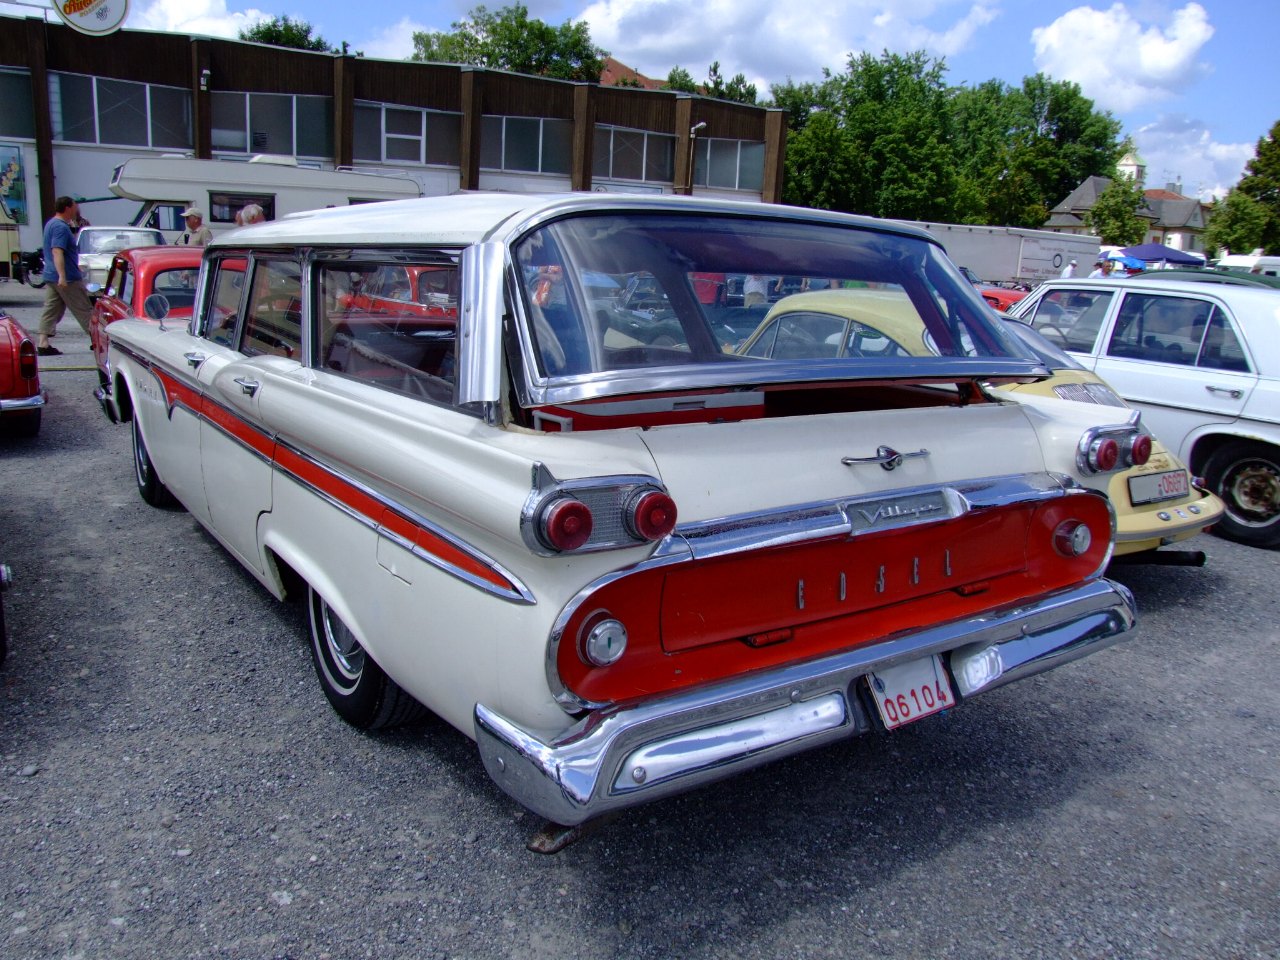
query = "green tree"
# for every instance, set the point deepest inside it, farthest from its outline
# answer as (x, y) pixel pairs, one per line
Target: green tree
(1114, 215)
(284, 31)
(680, 79)
(509, 39)
(820, 167)
(1236, 223)
(736, 88)
(803, 100)
(1262, 182)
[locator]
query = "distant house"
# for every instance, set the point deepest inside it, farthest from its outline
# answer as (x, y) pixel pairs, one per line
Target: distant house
(1172, 219)
(616, 73)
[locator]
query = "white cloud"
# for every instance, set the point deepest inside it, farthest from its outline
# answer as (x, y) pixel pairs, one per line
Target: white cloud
(1176, 147)
(394, 42)
(1118, 62)
(204, 17)
(770, 41)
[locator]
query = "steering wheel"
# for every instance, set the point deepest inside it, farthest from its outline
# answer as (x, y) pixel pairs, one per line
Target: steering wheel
(1050, 330)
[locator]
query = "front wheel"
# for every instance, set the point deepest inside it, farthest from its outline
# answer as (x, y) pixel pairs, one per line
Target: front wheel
(355, 686)
(149, 486)
(1246, 475)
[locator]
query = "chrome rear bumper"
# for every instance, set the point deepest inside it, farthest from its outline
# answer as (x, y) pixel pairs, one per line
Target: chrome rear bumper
(23, 403)
(621, 756)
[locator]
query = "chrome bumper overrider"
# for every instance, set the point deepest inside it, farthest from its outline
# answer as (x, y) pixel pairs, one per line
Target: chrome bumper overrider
(24, 403)
(620, 756)
(107, 402)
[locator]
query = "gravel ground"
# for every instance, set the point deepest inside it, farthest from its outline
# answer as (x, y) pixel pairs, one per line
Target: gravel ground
(173, 783)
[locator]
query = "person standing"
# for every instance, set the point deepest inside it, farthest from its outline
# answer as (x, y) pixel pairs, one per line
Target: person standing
(62, 274)
(196, 234)
(252, 214)
(1068, 271)
(1099, 270)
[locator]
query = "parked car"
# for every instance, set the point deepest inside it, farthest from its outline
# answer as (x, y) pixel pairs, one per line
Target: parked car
(1202, 361)
(1156, 501)
(1210, 275)
(998, 298)
(21, 396)
(624, 568)
(132, 276)
(98, 245)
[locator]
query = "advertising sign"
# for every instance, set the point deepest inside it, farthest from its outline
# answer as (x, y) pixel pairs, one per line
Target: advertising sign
(94, 17)
(13, 183)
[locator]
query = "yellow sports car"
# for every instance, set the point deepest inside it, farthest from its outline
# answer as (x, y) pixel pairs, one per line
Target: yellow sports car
(1157, 502)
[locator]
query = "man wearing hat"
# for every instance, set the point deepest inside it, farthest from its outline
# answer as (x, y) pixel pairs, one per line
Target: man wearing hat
(1099, 270)
(196, 234)
(1068, 271)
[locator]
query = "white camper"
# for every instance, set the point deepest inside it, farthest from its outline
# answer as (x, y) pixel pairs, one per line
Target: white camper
(166, 185)
(1250, 263)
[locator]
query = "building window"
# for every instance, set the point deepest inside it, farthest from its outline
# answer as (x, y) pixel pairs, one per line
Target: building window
(731, 164)
(386, 133)
(287, 124)
(100, 110)
(622, 154)
(17, 119)
(526, 145)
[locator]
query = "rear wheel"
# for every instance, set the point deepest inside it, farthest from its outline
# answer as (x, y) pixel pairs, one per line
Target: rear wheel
(355, 686)
(1246, 476)
(149, 486)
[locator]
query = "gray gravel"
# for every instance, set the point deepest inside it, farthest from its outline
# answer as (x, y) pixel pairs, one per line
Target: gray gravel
(173, 783)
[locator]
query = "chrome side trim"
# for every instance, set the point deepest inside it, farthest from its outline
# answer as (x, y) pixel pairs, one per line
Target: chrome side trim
(695, 737)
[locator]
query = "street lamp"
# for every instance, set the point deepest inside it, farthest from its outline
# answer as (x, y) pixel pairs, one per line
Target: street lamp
(693, 139)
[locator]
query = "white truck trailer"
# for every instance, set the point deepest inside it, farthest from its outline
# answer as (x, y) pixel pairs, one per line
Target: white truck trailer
(1004, 255)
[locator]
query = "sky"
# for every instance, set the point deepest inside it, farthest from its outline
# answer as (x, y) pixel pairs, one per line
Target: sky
(1194, 84)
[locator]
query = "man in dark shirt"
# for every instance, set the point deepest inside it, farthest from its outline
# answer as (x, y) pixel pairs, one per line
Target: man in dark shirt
(62, 274)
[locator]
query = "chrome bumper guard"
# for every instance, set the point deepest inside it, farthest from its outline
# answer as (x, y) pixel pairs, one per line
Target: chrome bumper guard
(108, 404)
(622, 756)
(23, 403)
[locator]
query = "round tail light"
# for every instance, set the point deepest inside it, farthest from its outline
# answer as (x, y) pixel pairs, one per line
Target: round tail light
(566, 524)
(652, 515)
(1104, 454)
(1140, 450)
(27, 360)
(1072, 538)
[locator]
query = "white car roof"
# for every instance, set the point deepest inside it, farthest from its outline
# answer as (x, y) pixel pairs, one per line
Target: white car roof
(463, 219)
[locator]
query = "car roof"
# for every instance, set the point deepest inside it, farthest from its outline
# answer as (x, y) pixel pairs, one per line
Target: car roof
(177, 256)
(463, 219)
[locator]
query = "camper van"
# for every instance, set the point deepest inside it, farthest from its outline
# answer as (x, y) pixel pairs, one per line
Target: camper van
(1250, 263)
(167, 184)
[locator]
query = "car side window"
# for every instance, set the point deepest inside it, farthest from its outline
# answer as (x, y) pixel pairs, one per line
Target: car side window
(409, 349)
(1160, 328)
(273, 315)
(227, 284)
(1222, 349)
(1072, 318)
(116, 278)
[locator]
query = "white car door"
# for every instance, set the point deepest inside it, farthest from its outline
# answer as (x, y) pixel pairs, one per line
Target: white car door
(236, 446)
(1179, 359)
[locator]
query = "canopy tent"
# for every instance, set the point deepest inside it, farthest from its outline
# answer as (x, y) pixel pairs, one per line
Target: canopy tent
(1159, 253)
(1128, 262)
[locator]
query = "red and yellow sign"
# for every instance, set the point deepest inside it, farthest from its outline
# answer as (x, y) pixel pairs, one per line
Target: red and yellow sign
(94, 17)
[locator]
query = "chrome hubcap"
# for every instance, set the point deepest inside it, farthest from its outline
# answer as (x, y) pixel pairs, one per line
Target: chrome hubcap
(344, 649)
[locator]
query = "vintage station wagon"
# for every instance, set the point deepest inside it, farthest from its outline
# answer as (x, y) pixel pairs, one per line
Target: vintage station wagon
(626, 565)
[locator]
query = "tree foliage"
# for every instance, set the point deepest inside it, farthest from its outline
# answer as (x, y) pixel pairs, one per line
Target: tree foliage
(680, 79)
(284, 31)
(1114, 215)
(736, 88)
(509, 39)
(1237, 223)
(1261, 182)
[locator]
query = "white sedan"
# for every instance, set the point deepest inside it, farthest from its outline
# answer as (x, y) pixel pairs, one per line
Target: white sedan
(1202, 363)
(625, 564)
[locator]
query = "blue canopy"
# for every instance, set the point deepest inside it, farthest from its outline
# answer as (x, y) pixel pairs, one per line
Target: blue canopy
(1159, 253)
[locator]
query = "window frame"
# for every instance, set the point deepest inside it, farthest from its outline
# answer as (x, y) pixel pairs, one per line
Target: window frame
(97, 118)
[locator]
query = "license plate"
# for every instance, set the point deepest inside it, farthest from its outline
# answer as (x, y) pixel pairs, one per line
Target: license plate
(910, 691)
(1154, 487)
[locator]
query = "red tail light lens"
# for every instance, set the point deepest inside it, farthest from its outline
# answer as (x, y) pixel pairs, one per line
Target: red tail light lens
(566, 524)
(652, 515)
(1140, 450)
(27, 360)
(1104, 454)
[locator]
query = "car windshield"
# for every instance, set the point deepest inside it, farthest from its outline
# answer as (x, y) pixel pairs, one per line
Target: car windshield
(113, 241)
(603, 293)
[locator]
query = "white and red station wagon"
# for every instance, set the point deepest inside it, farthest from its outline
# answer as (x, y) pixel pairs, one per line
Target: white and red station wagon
(614, 539)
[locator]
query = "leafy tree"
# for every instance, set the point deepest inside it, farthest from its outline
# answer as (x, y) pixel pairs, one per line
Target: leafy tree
(510, 40)
(1236, 223)
(820, 167)
(680, 79)
(284, 31)
(628, 82)
(1262, 182)
(736, 89)
(1114, 216)
(803, 100)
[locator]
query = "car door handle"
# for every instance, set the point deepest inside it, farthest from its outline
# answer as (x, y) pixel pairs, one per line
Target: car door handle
(1231, 392)
(247, 387)
(194, 359)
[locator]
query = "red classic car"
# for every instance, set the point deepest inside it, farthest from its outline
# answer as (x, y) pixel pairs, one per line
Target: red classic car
(135, 275)
(21, 398)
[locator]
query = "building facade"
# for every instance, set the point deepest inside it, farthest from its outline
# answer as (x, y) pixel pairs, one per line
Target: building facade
(73, 107)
